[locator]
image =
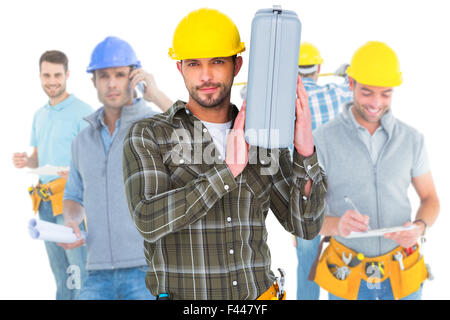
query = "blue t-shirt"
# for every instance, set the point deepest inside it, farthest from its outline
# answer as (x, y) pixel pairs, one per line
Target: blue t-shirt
(54, 128)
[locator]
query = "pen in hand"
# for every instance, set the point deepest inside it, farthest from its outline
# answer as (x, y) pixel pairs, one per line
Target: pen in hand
(350, 202)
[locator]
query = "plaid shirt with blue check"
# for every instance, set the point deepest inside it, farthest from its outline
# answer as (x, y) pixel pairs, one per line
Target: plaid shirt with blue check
(326, 101)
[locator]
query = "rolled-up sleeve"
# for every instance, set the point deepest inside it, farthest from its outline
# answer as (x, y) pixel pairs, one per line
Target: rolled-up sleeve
(74, 186)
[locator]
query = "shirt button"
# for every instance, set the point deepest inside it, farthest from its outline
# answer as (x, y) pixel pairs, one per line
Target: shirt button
(305, 198)
(226, 187)
(205, 130)
(229, 219)
(219, 157)
(187, 111)
(181, 161)
(231, 251)
(263, 162)
(234, 283)
(308, 168)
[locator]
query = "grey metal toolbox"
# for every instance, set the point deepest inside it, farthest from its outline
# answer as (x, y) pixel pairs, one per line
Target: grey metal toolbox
(272, 78)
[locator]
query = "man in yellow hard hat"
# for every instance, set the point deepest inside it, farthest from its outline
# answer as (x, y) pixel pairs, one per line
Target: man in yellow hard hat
(371, 159)
(325, 102)
(199, 205)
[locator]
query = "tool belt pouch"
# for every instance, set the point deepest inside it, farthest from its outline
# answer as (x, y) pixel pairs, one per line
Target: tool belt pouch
(57, 203)
(403, 282)
(35, 200)
(56, 198)
(271, 294)
(407, 281)
(347, 288)
(55, 192)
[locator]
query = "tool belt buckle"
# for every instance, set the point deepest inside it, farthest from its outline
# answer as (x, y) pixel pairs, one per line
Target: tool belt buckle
(44, 193)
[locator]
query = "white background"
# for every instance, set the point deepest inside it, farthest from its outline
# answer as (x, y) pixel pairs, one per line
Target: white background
(416, 30)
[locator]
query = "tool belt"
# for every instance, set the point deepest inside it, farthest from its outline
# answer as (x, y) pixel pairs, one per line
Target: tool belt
(52, 191)
(273, 293)
(331, 273)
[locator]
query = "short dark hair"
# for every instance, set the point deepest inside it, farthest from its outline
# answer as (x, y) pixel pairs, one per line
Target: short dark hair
(54, 56)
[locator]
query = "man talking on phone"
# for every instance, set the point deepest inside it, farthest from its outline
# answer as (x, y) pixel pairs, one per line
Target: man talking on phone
(115, 257)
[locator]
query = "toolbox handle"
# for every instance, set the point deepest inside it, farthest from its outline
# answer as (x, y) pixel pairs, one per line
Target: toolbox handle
(277, 8)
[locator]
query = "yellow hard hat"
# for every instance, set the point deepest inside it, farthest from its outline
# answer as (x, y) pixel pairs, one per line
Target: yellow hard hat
(205, 33)
(375, 64)
(309, 55)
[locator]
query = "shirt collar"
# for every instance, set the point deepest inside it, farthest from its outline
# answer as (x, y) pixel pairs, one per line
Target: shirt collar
(60, 106)
(386, 123)
(179, 108)
(101, 120)
(308, 80)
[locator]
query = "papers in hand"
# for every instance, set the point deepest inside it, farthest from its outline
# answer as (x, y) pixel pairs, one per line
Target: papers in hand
(48, 170)
(42, 230)
(378, 232)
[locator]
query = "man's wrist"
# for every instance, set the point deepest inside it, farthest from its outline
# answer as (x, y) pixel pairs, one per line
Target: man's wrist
(423, 224)
(305, 152)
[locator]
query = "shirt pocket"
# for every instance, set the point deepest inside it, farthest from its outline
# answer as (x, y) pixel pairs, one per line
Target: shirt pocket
(182, 167)
(258, 184)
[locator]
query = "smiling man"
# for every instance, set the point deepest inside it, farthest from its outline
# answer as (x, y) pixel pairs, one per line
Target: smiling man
(203, 222)
(54, 127)
(372, 158)
(115, 260)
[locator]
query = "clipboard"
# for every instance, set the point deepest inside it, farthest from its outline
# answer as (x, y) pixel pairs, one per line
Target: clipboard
(378, 232)
(48, 170)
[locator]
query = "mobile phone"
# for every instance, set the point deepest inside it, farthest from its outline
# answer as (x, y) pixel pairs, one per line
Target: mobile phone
(141, 86)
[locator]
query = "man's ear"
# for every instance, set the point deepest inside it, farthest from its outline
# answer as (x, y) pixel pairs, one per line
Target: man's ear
(237, 65)
(67, 74)
(179, 66)
(351, 83)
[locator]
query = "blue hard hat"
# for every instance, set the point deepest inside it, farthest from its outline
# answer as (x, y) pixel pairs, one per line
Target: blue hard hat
(113, 52)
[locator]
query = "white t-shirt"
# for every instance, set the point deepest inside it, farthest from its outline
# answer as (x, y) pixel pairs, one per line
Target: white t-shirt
(219, 133)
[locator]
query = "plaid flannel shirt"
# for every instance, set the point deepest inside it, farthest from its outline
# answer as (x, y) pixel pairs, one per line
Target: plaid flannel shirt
(325, 102)
(204, 230)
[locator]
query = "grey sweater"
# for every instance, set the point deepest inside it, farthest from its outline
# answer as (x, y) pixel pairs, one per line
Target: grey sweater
(113, 241)
(379, 191)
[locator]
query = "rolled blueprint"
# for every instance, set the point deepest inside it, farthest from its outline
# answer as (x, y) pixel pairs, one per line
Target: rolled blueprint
(44, 225)
(42, 230)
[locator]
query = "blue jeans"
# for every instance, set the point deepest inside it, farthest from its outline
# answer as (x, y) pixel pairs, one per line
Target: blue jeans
(379, 291)
(68, 266)
(306, 253)
(117, 284)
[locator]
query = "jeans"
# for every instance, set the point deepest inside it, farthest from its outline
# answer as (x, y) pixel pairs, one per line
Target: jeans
(68, 266)
(379, 291)
(117, 284)
(306, 253)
